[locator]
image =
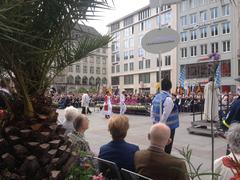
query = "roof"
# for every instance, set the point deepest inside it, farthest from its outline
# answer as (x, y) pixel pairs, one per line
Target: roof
(128, 15)
(84, 29)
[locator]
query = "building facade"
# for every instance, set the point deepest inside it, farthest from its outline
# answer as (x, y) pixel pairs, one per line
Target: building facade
(206, 27)
(130, 67)
(87, 73)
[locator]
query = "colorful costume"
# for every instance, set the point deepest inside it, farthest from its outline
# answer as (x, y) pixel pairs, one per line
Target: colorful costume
(107, 105)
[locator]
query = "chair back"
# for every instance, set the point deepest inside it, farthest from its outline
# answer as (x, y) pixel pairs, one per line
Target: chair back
(109, 169)
(129, 175)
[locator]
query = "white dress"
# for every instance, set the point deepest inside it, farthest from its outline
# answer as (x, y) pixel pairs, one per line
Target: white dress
(107, 106)
(123, 107)
(211, 102)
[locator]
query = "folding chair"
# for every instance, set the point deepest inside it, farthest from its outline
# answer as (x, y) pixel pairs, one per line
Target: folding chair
(129, 175)
(109, 169)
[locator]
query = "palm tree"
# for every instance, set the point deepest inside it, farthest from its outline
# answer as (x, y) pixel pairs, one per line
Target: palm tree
(36, 42)
(36, 45)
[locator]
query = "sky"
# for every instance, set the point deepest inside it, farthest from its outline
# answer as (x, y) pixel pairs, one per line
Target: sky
(120, 9)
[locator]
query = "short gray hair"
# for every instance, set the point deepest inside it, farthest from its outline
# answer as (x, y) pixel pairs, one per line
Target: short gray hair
(71, 113)
(233, 137)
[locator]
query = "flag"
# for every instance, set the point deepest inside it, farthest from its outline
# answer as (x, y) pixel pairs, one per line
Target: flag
(218, 76)
(182, 76)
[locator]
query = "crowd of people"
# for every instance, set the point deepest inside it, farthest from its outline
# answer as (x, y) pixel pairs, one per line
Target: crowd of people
(155, 162)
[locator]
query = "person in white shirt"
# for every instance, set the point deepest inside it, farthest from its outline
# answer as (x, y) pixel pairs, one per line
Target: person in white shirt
(123, 106)
(85, 103)
(221, 166)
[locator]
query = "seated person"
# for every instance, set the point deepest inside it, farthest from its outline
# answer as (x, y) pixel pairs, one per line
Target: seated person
(233, 137)
(154, 162)
(79, 143)
(118, 150)
(70, 114)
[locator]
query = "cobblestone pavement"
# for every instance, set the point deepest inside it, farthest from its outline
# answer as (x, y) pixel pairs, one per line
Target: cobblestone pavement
(97, 135)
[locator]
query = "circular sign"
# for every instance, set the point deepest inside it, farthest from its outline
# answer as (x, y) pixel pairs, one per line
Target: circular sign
(160, 40)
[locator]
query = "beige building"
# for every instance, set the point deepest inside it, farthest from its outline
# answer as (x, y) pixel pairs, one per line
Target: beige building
(88, 73)
(206, 27)
(130, 67)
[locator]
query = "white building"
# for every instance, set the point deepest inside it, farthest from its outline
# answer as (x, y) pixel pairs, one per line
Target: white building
(131, 68)
(87, 73)
(206, 27)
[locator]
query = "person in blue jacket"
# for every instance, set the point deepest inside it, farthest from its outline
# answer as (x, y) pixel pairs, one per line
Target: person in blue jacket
(169, 111)
(118, 150)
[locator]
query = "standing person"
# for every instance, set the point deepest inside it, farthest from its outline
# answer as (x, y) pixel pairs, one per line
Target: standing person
(123, 106)
(169, 114)
(107, 105)
(211, 101)
(85, 103)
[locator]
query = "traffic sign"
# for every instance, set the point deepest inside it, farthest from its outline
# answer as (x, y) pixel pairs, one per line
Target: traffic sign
(160, 40)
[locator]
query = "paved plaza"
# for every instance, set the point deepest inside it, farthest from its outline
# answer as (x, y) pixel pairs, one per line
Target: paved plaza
(97, 135)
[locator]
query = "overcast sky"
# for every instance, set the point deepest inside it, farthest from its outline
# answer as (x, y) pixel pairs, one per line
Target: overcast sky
(121, 8)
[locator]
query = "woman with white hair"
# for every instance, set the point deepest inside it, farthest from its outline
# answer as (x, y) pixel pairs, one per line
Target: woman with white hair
(70, 115)
(233, 138)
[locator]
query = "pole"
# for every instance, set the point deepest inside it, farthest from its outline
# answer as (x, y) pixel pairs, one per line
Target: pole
(160, 77)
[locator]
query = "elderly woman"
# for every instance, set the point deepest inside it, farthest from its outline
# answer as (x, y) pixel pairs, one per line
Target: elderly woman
(79, 143)
(70, 114)
(234, 143)
(118, 150)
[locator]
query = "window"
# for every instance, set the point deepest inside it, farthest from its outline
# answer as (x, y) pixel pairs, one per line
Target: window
(204, 49)
(214, 30)
(203, 32)
(91, 70)
(184, 36)
(147, 24)
(238, 67)
(193, 18)
(199, 70)
(193, 3)
(131, 42)
(167, 60)
(128, 79)
(166, 18)
(91, 59)
(85, 69)
(145, 78)
(140, 52)
(203, 16)
(184, 52)
(115, 57)
(113, 69)
(126, 44)
(184, 20)
(144, 14)
(104, 50)
(226, 28)
(147, 63)
(115, 46)
(131, 66)
(226, 10)
(131, 54)
(214, 47)
(226, 46)
(78, 68)
(184, 5)
(125, 67)
(70, 68)
(193, 35)
(128, 21)
(115, 80)
(118, 68)
(226, 68)
(193, 50)
(214, 13)
(104, 60)
(140, 64)
(115, 26)
(104, 71)
(165, 8)
(98, 70)
(125, 55)
(140, 39)
(98, 61)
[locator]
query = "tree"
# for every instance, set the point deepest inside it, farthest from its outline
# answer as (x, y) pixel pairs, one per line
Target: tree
(36, 42)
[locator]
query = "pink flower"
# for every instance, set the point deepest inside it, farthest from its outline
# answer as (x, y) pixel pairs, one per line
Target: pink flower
(98, 177)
